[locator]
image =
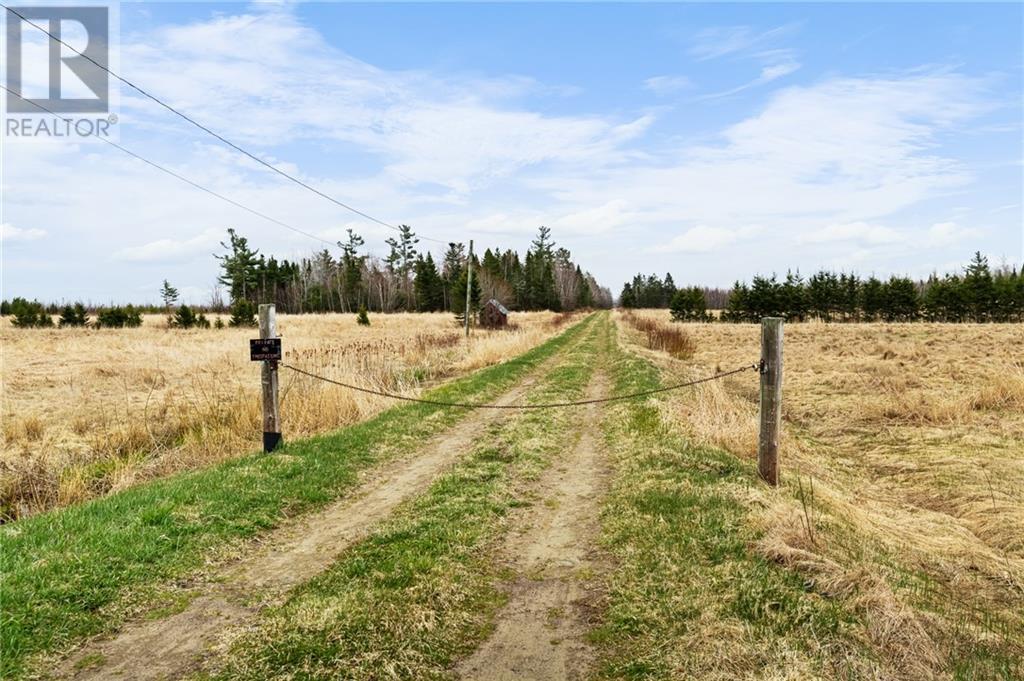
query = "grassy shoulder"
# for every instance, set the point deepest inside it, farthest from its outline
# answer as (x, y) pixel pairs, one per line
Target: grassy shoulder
(690, 598)
(75, 572)
(422, 590)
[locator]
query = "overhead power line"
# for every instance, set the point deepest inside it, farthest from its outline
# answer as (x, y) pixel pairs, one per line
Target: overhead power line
(207, 130)
(184, 179)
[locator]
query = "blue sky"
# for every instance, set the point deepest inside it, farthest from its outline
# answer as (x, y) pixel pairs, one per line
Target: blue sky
(711, 141)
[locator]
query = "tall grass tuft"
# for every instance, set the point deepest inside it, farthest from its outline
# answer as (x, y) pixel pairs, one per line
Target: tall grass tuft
(671, 339)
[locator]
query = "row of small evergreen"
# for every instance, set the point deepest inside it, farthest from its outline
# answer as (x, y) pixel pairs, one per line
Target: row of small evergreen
(33, 314)
(979, 294)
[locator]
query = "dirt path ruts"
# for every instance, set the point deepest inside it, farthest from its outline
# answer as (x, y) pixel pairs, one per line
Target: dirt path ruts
(540, 631)
(168, 647)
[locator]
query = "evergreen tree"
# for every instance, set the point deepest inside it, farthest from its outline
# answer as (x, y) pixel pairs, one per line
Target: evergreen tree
(901, 301)
(979, 288)
(627, 299)
(243, 313)
(74, 316)
(452, 265)
(459, 297)
(429, 288)
(169, 295)
(362, 318)
(401, 260)
(239, 267)
(872, 299)
(793, 297)
(29, 314)
(689, 305)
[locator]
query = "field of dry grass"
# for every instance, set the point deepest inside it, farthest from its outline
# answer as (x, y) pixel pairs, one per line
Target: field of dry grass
(912, 439)
(87, 412)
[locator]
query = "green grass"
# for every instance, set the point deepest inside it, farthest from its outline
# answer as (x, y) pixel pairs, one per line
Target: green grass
(78, 571)
(422, 590)
(688, 597)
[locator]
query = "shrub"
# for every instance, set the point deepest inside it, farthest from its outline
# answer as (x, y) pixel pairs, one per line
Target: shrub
(243, 313)
(184, 318)
(117, 317)
(29, 314)
(74, 316)
(362, 318)
(674, 341)
(689, 305)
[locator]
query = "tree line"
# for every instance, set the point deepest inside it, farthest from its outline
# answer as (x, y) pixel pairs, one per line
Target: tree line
(408, 279)
(978, 294)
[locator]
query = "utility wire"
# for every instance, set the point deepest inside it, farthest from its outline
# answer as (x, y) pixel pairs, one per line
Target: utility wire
(548, 405)
(181, 177)
(207, 130)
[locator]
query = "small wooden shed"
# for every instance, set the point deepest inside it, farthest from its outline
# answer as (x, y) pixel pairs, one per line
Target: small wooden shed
(493, 315)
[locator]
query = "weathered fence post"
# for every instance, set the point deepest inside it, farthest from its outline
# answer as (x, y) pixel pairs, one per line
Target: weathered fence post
(771, 399)
(469, 283)
(271, 407)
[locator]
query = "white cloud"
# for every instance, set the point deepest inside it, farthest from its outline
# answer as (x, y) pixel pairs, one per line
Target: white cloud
(9, 232)
(719, 41)
(746, 43)
(948, 233)
(705, 239)
(666, 85)
(854, 231)
(165, 250)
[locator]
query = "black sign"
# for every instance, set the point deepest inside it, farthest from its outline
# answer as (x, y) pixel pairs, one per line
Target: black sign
(264, 349)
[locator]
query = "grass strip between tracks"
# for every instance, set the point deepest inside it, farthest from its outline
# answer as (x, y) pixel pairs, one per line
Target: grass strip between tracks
(422, 590)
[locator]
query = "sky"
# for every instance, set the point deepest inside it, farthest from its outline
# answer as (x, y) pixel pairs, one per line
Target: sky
(712, 141)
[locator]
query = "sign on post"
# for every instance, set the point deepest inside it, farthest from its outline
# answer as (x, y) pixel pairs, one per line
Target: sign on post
(265, 349)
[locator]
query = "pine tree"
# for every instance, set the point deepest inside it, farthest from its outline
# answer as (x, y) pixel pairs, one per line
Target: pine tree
(169, 295)
(401, 260)
(74, 316)
(429, 289)
(979, 288)
(351, 271)
(240, 267)
(243, 313)
(362, 318)
(459, 297)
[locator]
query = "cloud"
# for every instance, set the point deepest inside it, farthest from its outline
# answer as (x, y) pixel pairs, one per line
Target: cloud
(705, 239)
(166, 250)
(720, 41)
(854, 231)
(768, 74)
(743, 42)
(666, 85)
(9, 232)
(455, 132)
(948, 233)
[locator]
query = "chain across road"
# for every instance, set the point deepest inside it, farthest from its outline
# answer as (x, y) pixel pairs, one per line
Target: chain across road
(548, 405)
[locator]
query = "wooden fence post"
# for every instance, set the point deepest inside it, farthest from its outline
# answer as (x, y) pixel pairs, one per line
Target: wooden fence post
(771, 399)
(271, 407)
(469, 283)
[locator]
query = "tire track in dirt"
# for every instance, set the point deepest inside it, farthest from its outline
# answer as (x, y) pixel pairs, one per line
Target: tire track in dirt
(540, 632)
(171, 646)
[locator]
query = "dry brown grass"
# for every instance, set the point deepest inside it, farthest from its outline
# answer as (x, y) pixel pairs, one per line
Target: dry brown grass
(662, 335)
(87, 411)
(914, 437)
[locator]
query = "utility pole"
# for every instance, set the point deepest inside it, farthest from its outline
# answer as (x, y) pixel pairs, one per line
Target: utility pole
(469, 283)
